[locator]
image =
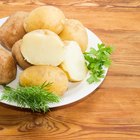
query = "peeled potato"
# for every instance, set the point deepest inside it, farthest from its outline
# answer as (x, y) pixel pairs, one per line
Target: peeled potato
(12, 30)
(74, 30)
(37, 75)
(42, 47)
(18, 56)
(8, 67)
(74, 62)
(45, 17)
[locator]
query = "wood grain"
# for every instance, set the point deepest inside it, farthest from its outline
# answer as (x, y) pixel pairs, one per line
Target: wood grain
(112, 112)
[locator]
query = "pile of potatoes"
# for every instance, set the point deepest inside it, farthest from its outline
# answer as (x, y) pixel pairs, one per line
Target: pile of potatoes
(46, 45)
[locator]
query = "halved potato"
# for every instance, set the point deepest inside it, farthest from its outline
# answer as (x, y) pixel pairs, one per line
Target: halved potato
(37, 75)
(75, 31)
(45, 17)
(74, 62)
(42, 47)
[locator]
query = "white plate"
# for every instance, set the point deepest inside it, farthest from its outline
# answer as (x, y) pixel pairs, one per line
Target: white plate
(76, 91)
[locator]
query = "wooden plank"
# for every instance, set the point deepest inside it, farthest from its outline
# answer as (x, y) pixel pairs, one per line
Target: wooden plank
(112, 112)
(102, 114)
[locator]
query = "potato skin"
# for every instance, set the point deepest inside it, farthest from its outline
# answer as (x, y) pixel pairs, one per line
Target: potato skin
(45, 17)
(8, 67)
(12, 30)
(75, 31)
(37, 75)
(18, 56)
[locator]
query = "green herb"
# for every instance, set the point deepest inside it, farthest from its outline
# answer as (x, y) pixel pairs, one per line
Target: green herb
(35, 97)
(96, 60)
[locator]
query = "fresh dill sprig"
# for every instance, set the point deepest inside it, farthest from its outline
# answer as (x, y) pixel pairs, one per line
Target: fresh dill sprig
(36, 98)
(96, 60)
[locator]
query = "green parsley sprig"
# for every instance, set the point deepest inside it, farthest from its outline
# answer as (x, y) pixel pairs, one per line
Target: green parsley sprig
(96, 60)
(35, 97)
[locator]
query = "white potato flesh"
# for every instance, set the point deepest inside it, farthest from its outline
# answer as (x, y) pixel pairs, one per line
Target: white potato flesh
(74, 62)
(42, 48)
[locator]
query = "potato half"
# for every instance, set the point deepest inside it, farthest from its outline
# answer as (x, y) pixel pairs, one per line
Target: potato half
(12, 30)
(16, 52)
(37, 75)
(74, 62)
(8, 67)
(42, 47)
(45, 17)
(74, 30)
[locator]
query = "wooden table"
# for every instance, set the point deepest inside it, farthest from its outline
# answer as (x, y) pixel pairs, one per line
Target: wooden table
(112, 112)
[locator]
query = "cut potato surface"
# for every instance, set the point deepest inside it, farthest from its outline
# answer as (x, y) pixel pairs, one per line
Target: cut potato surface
(42, 47)
(8, 67)
(45, 17)
(75, 31)
(74, 62)
(37, 75)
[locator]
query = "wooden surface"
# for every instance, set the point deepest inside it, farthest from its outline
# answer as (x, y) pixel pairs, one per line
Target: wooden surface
(112, 112)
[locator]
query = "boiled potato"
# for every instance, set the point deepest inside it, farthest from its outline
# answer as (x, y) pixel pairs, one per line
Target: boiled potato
(45, 17)
(42, 47)
(74, 62)
(12, 30)
(74, 30)
(37, 75)
(8, 67)
(18, 56)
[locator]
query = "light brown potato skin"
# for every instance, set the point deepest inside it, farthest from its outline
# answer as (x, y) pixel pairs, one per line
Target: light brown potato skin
(8, 67)
(12, 30)
(45, 17)
(18, 56)
(75, 31)
(37, 75)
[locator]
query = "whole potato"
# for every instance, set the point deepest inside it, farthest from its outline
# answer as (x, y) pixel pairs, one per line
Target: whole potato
(8, 67)
(75, 31)
(18, 56)
(12, 30)
(37, 75)
(45, 17)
